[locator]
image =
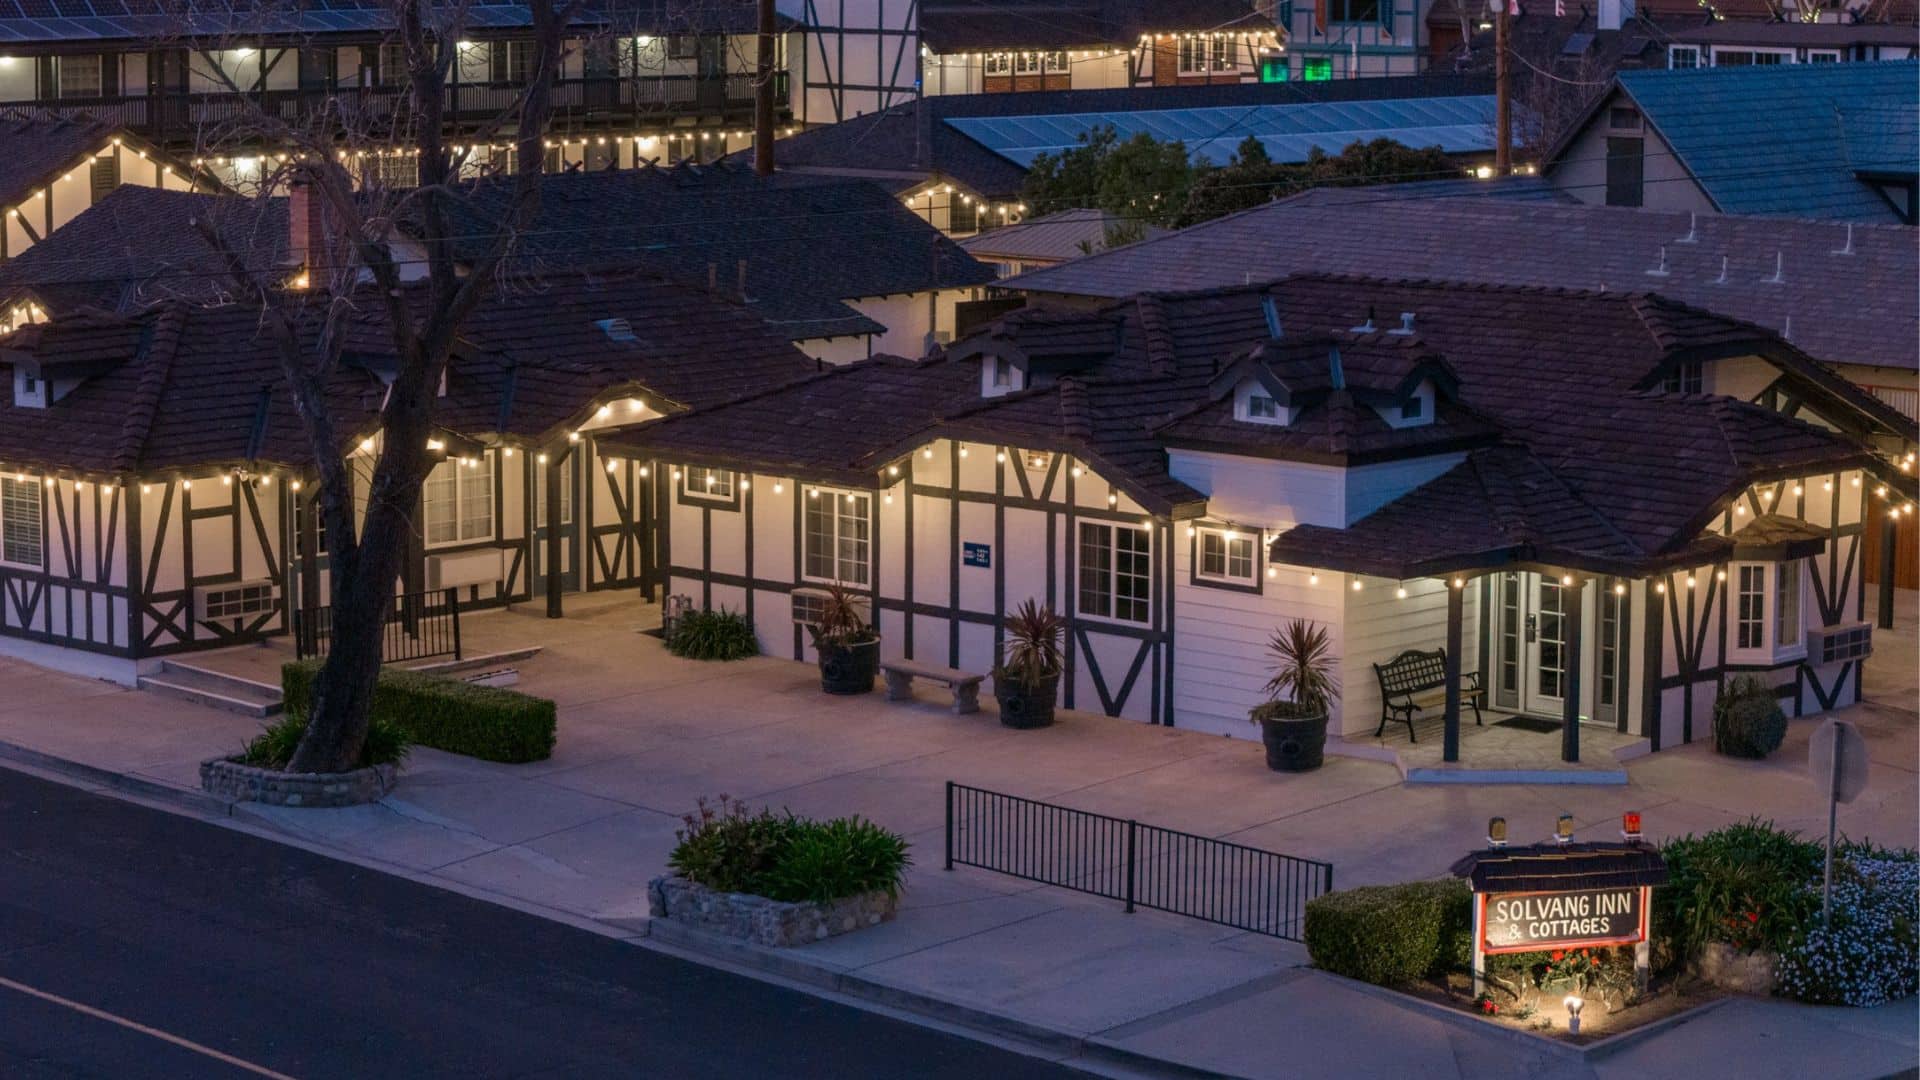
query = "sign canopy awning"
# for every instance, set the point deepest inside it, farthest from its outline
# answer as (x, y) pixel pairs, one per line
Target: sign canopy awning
(1557, 867)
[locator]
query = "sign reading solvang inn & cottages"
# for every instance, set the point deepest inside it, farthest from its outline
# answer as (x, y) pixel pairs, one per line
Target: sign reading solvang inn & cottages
(1527, 922)
(1561, 895)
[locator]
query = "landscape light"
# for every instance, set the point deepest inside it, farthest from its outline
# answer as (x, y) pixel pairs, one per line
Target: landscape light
(1573, 1003)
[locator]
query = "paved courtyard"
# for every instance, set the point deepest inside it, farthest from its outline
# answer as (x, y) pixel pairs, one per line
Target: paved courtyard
(643, 735)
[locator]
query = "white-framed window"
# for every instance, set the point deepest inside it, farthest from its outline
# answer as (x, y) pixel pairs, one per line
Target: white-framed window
(1226, 556)
(1688, 377)
(1766, 609)
(1026, 63)
(1823, 56)
(836, 537)
(999, 64)
(1683, 56)
(1262, 407)
(1055, 62)
(78, 76)
(1116, 572)
(22, 527)
(1747, 57)
(707, 485)
(459, 501)
(1200, 56)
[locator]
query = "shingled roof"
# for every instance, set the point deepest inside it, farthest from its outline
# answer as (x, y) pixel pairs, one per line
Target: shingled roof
(183, 386)
(696, 224)
(41, 149)
(1727, 264)
(1578, 460)
(140, 245)
(953, 26)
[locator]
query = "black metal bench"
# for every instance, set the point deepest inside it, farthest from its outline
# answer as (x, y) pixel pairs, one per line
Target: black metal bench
(1415, 680)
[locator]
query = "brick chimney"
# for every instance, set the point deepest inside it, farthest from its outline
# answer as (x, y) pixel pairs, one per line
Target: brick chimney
(309, 240)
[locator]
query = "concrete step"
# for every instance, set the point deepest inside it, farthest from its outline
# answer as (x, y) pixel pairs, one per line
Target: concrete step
(214, 689)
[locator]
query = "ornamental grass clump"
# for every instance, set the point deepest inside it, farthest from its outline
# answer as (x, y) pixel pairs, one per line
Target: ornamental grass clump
(387, 743)
(713, 635)
(728, 847)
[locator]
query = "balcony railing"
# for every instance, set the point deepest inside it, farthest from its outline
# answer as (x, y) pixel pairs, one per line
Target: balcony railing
(576, 102)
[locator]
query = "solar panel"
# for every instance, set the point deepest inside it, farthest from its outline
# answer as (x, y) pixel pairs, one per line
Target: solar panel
(1289, 132)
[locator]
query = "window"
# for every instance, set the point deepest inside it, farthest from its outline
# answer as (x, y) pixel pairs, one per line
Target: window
(1626, 171)
(1683, 56)
(1750, 57)
(706, 485)
(835, 537)
(393, 64)
(682, 46)
(78, 76)
(1026, 63)
(1227, 556)
(1273, 69)
(237, 601)
(509, 61)
(1199, 56)
(316, 68)
(22, 535)
(1316, 69)
(1116, 571)
(999, 64)
(1786, 604)
(459, 501)
(1354, 11)
(1750, 603)
(1413, 408)
(1689, 377)
(1823, 56)
(1002, 371)
(1056, 62)
(1262, 407)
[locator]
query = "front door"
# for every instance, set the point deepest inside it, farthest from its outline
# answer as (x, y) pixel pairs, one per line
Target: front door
(1530, 643)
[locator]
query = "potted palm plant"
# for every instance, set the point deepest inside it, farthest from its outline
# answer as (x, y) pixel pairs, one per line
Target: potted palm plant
(1028, 682)
(847, 645)
(1293, 719)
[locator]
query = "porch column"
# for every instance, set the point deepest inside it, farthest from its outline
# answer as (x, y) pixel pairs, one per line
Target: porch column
(1889, 566)
(1570, 716)
(553, 534)
(1450, 739)
(308, 515)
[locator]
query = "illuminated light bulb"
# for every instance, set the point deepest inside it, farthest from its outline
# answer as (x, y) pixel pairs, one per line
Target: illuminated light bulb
(1356, 584)
(635, 405)
(1146, 524)
(1856, 481)
(849, 497)
(1767, 495)
(573, 436)
(927, 453)
(266, 481)
(889, 497)
(604, 411)
(709, 479)
(1077, 470)
(1739, 510)
(1881, 491)
(746, 485)
(1719, 575)
(1189, 532)
(1660, 587)
(778, 487)
(1000, 455)
(436, 445)
(644, 470)
(813, 493)
(963, 450)
(1566, 579)
(506, 452)
(1113, 499)
(295, 485)
(1400, 593)
(893, 470)
(1313, 579)
(1826, 485)
(1619, 590)
(1797, 489)
(185, 485)
(542, 459)
(676, 474)
(226, 481)
(1690, 581)
(1272, 573)
(613, 464)
(366, 446)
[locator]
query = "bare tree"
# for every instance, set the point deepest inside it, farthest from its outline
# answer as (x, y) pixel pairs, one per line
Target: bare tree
(329, 161)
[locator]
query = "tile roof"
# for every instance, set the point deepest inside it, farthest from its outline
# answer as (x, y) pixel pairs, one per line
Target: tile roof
(693, 224)
(1769, 139)
(1586, 466)
(912, 142)
(138, 246)
(951, 26)
(1055, 237)
(41, 149)
(1853, 308)
(183, 385)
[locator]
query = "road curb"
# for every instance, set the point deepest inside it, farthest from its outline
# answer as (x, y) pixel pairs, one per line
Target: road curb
(198, 802)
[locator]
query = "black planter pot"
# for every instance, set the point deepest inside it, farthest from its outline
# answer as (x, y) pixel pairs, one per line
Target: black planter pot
(849, 669)
(1294, 743)
(1023, 706)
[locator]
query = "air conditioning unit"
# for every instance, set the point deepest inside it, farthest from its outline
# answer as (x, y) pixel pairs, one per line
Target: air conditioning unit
(1833, 644)
(481, 566)
(810, 603)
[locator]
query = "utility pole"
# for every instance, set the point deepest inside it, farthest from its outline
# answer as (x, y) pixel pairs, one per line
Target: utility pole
(1503, 96)
(763, 95)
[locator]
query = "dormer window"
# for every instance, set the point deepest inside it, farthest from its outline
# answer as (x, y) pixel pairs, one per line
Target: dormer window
(1000, 375)
(1413, 409)
(1688, 377)
(1255, 404)
(29, 390)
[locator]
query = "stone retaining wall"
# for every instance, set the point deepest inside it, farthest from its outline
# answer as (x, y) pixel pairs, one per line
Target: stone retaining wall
(762, 921)
(247, 783)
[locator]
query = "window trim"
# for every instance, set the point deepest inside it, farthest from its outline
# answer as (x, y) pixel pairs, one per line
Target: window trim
(459, 515)
(1674, 51)
(1206, 56)
(1111, 528)
(839, 495)
(1196, 547)
(997, 65)
(39, 488)
(704, 496)
(1770, 652)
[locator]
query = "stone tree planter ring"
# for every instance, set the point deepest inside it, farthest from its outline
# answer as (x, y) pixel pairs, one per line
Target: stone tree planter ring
(756, 919)
(247, 783)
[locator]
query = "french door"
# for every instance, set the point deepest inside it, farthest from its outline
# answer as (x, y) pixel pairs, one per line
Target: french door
(1530, 646)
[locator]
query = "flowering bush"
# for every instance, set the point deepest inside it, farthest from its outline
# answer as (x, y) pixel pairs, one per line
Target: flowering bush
(1867, 956)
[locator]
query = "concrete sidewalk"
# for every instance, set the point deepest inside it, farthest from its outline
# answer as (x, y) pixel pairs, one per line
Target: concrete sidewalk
(644, 734)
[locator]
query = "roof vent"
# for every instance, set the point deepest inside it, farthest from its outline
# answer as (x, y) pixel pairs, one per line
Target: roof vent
(1366, 327)
(616, 329)
(1848, 250)
(1661, 270)
(1406, 324)
(1779, 270)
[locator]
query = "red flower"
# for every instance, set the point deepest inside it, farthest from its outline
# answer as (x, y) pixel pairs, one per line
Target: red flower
(1487, 1006)
(1753, 916)
(1559, 955)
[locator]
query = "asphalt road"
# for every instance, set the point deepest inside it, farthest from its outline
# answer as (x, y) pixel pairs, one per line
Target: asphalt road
(136, 943)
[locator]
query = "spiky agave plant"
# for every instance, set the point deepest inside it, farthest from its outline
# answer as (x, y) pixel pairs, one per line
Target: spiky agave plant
(841, 622)
(1302, 656)
(1033, 643)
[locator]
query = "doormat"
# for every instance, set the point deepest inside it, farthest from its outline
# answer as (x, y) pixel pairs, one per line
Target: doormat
(1529, 723)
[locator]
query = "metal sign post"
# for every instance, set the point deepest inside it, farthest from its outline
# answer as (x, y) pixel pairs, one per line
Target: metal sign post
(1836, 760)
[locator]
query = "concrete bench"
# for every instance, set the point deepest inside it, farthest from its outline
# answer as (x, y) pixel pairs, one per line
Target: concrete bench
(964, 684)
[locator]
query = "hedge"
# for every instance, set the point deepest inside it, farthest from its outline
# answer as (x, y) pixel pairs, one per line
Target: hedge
(447, 714)
(1391, 934)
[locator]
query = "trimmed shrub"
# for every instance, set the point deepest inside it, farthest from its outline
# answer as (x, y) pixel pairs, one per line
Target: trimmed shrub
(271, 749)
(725, 846)
(1391, 934)
(1743, 885)
(485, 722)
(1747, 719)
(713, 635)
